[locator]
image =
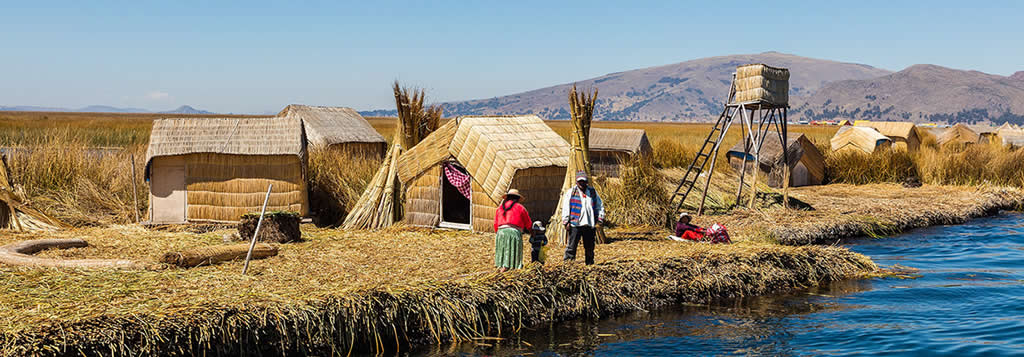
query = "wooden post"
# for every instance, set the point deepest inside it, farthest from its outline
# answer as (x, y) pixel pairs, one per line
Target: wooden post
(135, 191)
(785, 158)
(252, 243)
(743, 165)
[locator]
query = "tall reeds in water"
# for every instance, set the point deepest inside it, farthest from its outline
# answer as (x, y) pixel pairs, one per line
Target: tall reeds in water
(67, 179)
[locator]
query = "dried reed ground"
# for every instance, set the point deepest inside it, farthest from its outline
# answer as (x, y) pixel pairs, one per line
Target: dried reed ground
(317, 296)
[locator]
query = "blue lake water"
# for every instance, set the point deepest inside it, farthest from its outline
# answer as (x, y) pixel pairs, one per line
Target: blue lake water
(968, 300)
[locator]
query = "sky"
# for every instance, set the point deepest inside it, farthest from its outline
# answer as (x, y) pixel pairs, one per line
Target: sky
(258, 56)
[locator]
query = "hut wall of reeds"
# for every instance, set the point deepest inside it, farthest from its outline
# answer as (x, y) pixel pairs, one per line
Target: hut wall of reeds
(760, 83)
(958, 134)
(610, 148)
(806, 162)
(861, 139)
(497, 153)
(903, 134)
(216, 170)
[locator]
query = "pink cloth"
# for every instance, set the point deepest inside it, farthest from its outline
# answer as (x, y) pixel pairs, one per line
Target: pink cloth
(512, 214)
(458, 179)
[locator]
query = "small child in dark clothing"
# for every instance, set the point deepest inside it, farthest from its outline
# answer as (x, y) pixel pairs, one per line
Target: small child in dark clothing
(538, 240)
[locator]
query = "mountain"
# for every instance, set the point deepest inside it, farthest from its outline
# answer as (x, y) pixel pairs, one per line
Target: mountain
(109, 109)
(686, 91)
(30, 108)
(920, 93)
(185, 109)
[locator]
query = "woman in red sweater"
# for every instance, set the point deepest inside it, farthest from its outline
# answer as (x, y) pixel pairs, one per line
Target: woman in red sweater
(510, 222)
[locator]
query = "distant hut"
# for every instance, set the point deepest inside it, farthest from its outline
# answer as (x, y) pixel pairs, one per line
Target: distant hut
(807, 164)
(845, 122)
(216, 170)
(1012, 138)
(903, 134)
(958, 134)
(610, 148)
(859, 138)
(456, 176)
(986, 133)
(337, 128)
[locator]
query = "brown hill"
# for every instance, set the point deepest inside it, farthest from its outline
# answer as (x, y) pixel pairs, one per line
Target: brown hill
(920, 93)
(687, 91)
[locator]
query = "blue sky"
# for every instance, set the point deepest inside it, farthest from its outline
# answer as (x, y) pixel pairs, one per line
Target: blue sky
(256, 56)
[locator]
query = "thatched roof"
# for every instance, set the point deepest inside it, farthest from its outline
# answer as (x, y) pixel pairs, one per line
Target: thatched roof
(771, 150)
(892, 129)
(332, 125)
(1014, 138)
(983, 129)
(240, 136)
(621, 140)
(491, 148)
(859, 137)
(959, 134)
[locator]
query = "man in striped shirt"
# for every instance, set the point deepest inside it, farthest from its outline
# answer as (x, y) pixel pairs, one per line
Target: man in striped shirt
(582, 211)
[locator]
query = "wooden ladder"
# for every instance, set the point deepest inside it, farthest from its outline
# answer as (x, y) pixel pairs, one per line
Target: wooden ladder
(708, 153)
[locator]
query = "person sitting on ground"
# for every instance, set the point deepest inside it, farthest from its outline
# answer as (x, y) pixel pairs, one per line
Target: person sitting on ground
(537, 241)
(582, 212)
(510, 221)
(685, 230)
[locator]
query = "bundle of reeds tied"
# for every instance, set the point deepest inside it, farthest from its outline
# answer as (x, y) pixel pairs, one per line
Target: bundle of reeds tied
(581, 107)
(380, 205)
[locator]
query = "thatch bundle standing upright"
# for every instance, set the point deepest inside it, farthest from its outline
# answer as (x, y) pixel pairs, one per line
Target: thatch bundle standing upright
(14, 213)
(381, 204)
(581, 108)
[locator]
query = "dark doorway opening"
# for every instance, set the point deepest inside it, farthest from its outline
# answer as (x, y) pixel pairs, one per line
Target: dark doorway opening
(455, 207)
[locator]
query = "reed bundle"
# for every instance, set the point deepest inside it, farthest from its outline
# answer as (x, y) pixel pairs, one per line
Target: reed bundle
(581, 107)
(380, 205)
(215, 254)
(20, 254)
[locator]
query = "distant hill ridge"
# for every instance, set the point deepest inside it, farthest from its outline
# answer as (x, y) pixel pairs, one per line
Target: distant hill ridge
(184, 109)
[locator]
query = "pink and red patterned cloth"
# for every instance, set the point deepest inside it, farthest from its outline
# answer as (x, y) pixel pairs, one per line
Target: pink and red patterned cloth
(457, 178)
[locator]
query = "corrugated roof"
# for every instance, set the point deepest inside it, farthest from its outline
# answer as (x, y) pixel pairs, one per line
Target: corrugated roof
(241, 136)
(624, 140)
(491, 148)
(332, 125)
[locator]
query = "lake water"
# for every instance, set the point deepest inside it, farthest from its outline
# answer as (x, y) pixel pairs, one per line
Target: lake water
(968, 300)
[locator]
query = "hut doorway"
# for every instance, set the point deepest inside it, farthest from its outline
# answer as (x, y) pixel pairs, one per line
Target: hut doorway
(168, 190)
(456, 191)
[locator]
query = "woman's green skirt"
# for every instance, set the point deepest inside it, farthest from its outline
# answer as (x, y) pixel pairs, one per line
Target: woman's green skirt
(508, 249)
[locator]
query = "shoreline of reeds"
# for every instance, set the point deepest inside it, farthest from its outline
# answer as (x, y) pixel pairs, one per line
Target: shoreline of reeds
(631, 276)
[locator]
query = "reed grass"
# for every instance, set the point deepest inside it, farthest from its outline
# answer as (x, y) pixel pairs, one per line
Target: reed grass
(341, 291)
(336, 179)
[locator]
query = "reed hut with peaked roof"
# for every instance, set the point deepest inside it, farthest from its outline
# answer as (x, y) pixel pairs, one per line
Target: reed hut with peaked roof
(806, 162)
(958, 134)
(337, 128)
(216, 170)
(610, 148)
(859, 138)
(457, 175)
(903, 134)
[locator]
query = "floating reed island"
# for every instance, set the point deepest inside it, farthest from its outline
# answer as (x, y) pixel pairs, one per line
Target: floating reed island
(341, 291)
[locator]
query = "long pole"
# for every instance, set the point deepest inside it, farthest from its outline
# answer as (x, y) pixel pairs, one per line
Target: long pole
(252, 243)
(135, 191)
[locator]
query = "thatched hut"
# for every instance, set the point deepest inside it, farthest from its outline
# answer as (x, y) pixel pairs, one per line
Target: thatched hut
(958, 134)
(493, 154)
(337, 128)
(862, 139)
(610, 148)
(216, 170)
(903, 134)
(806, 162)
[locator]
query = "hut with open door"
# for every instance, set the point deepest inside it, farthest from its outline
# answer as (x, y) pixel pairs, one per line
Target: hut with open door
(455, 177)
(986, 133)
(337, 128)
(958, 134)
(903, 134)
(806, 162)
(610, 148)
(216, 170)
(860, 139)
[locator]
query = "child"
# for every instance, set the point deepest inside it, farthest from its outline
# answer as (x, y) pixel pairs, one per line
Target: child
(685, 231)
(538, 240)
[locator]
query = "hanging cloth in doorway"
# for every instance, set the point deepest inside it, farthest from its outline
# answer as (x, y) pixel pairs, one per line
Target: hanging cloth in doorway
(458, 179)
